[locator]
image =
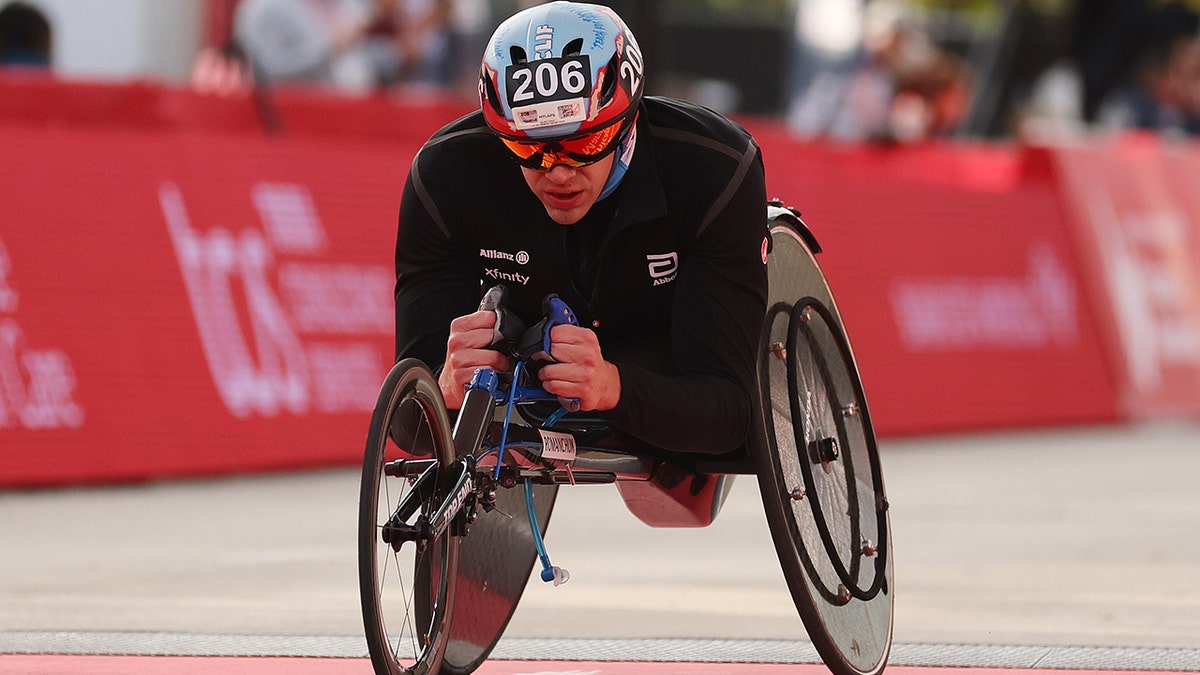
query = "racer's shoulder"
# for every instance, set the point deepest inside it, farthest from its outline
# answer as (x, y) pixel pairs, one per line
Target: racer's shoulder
(464, 152)
(674, 121)
(468, 133)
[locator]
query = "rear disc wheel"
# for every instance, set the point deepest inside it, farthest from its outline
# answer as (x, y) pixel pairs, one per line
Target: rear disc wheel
(819, 470)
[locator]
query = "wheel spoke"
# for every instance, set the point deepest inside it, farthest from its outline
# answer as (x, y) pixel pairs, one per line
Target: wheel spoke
(402, 604)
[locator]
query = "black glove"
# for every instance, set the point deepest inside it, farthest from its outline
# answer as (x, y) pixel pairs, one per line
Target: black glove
(534, 346)
(509, 328)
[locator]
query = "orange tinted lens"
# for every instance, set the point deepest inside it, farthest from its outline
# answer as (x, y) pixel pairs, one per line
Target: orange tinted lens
(522, 149)
(539, 156)
(551, 159)
(576, 151)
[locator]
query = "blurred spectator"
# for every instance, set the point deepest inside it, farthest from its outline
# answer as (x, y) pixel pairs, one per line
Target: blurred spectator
(1053, 105)
(425, 41)
(930, 86)
(902, 86)
(301, 40)
(1111, 37)
(25, 38)
(826, 52)
(471, 24)
(227, 71)
(1164, 94)
(408, 41)
(356, 46)
(223, 71)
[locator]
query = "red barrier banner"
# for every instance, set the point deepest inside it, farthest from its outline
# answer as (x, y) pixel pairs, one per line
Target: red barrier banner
(408, 115)
(959, 282)
(174, 305)
(1137, 221)
(182, 293)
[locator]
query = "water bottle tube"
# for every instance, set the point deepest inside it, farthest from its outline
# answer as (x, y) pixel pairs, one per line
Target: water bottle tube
(554, 417)
(549, 572)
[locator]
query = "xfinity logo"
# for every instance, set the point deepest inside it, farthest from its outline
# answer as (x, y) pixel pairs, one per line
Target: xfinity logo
(505, 276)
(520, 257)
(663, 267)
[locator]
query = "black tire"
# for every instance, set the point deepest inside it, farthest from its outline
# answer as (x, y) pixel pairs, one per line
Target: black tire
(406, 590)
(818, 467)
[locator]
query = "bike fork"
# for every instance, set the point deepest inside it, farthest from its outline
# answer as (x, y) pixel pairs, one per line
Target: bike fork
(455, 482)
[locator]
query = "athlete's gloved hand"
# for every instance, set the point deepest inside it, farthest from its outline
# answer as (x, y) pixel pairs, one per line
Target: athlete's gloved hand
(508, 329)
(574, 370)
(535, 347)
(472, 345)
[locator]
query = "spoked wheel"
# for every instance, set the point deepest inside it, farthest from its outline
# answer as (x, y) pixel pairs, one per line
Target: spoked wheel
(406, 577)
(819, 471)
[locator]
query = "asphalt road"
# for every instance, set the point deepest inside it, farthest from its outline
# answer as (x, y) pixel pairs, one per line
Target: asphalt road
(1054, 537)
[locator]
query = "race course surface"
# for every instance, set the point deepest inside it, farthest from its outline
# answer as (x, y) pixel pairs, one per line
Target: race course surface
(1069, 550)
(137, 665)
(627, 658)
(37, 653)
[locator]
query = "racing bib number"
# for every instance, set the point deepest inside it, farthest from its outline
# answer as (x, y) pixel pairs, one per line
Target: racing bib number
(632, 68)
(557, 445)
(548, 80)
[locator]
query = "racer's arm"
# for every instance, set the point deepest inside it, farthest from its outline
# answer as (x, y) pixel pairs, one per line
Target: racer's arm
(720, 301)
(581, 372)
(437, 295)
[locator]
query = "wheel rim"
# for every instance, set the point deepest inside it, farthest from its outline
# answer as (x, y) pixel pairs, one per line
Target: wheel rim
(842, 473)
(821, 465)
(405, 588)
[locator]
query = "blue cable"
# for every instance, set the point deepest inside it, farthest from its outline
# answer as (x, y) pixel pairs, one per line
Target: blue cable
(556, 416)
(548, 570)
(508, 408)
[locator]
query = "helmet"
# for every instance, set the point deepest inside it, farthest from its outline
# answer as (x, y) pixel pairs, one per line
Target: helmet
(562, 79)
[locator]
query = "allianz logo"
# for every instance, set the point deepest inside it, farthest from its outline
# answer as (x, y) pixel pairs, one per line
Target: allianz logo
(520, 257)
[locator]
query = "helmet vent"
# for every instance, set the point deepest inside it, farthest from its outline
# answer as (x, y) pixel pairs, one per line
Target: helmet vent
(490, 94)
(517, 55)
(608, 77)
(573, 47)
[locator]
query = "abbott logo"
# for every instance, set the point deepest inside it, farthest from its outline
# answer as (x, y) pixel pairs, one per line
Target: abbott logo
(663, 267)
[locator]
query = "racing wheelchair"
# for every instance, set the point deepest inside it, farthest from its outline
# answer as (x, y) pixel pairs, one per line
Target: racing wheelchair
(442, 567)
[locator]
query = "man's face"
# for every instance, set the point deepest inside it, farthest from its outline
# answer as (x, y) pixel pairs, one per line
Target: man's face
(568, 193)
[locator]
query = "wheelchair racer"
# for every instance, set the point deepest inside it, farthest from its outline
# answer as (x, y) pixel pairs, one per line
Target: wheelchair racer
(646, 215)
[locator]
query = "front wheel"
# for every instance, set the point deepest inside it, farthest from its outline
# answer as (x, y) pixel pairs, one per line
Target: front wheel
(818, 467)
(406, 575)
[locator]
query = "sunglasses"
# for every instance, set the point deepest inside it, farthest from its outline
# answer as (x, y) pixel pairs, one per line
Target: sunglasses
(574, 151)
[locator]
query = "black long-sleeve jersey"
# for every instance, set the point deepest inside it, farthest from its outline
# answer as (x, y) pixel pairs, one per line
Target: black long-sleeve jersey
(669, 270)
